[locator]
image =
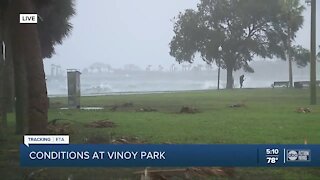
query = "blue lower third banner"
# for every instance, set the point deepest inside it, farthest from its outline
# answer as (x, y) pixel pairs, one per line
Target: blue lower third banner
(89, 155)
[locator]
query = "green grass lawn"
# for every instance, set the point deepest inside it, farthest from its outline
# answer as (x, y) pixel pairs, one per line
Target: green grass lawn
(269, 116)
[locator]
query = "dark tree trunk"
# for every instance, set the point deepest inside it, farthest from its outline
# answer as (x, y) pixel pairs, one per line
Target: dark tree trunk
(31, 91)
(20, 76)
(3, 110)
(9, 74)
(3, 114)
(37, 90)
(229, 77)
(21, 103)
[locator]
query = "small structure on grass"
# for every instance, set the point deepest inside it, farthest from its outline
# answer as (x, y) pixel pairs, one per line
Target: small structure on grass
(73, 76)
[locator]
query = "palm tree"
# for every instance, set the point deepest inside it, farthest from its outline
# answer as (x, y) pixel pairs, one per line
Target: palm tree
(15, 38)
(8, 83)
(4, 105)
(31, 91)
(292, 15)
(54, 24)
(9, 77)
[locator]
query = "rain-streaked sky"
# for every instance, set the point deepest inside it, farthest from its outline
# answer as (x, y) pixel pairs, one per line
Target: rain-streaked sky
(119, 32)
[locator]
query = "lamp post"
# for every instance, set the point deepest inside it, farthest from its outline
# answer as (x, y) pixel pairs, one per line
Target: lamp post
(313, 76)
(219, 67)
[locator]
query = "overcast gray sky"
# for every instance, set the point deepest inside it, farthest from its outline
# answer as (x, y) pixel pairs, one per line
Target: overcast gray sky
(119, 32)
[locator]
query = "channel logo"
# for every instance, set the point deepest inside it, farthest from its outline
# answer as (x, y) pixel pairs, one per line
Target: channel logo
(298, 155)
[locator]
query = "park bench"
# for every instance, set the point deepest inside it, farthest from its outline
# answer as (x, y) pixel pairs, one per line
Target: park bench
(301, 84)
(280, 84)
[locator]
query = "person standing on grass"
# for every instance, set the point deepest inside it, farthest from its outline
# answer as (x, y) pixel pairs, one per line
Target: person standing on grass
(241, 80)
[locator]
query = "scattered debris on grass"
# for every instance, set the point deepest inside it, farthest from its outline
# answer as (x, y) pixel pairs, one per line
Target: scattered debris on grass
(128, 140)
(114, 108)
(13, 150)
(167, 142)
(303, 110)
(59, 128)
(54, 121)
(189, 110)
(91, 108)
(205, 172)
(70, 177)
(111, 140)
(187, 173)
(97, 140)
(101, 124)
(238, 105)
(124, 105)
(83, 108)
(38, 174)
(56, 104)
(147, 109)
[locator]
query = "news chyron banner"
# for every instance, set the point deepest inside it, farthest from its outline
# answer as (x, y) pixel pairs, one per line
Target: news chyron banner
(55, 151)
